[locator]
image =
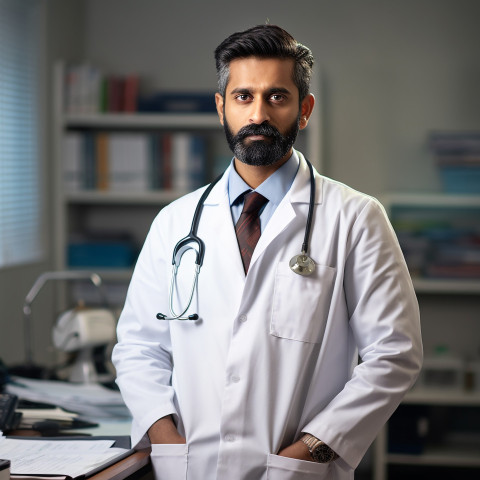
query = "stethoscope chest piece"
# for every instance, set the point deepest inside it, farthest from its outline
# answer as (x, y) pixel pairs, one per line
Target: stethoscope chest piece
(302, 264)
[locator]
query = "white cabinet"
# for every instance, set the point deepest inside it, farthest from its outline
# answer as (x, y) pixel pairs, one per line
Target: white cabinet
(445, 437)
(80, 210)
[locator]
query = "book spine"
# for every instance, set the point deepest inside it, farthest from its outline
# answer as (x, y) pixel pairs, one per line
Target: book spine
(73, 161)
(102, 161)
(89, 160)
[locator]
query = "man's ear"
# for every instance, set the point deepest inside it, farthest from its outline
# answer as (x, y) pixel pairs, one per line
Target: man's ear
(219, 103)
(306, 110)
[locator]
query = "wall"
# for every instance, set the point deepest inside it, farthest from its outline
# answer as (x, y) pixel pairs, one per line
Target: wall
(392, 70)
(62, 36)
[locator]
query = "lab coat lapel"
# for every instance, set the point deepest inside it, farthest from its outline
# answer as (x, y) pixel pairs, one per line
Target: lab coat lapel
(225, 235)
(285, 213)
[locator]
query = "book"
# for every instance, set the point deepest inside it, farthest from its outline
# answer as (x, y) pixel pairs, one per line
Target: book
(455, 142)
(129, 162)
(134, 161)
(73, 161)
(88, 90)
(90, 173)
(101, 160)
(180, 161)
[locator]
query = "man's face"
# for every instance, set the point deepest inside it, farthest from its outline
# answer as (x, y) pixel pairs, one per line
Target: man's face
(260, 111)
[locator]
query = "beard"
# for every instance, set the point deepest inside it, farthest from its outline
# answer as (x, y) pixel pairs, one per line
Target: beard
(261, 152)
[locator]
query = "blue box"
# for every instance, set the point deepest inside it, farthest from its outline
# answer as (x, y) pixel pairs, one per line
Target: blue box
(172, 102)
(461, 179)
(101, 254)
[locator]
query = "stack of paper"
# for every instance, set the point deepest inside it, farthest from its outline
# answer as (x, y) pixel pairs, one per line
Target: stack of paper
(62, 458)
(30, 416)
(90, 400)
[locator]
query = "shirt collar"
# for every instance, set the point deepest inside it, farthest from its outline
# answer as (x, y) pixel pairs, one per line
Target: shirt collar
(273, 188)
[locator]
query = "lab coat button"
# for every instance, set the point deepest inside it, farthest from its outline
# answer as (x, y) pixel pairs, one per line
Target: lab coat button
(242, 318)
(235, 379)
(229, 438)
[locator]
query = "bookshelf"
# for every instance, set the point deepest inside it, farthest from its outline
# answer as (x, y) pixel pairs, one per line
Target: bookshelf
(450, 450)
(449, 217)
(429, 223)
(78, 210)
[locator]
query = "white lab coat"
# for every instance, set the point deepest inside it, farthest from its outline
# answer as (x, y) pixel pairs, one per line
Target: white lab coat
(273, 354)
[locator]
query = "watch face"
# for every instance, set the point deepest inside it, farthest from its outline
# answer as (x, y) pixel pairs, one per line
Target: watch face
(323, 454)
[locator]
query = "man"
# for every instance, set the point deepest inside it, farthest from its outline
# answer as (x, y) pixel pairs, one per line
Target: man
(264, 382)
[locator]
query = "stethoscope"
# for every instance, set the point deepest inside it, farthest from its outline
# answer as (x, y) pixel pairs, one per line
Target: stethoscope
(300, 264)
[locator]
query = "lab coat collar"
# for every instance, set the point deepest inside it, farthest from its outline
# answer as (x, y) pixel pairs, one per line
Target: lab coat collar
(285, 212)
(283, 215)
(220, 190)
(298, 193)
(300, 190)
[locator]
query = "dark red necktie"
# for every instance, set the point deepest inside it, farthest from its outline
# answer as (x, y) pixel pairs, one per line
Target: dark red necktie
(248, 226)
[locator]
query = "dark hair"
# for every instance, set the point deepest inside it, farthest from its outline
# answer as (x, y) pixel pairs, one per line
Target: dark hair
(265, 41)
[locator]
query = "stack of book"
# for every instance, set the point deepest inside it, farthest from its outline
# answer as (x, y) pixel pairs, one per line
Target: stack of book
(88, 90)
(133, 161)
(439, 242)
(458, 159)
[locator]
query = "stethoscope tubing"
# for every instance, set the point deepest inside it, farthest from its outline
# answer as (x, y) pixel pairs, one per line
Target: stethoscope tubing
(192, 239)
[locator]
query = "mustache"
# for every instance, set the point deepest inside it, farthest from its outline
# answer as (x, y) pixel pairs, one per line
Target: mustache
(254, 129)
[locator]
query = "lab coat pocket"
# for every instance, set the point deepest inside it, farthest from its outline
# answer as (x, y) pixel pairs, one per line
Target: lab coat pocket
(283, 468)
(169, 461)
(301, 304)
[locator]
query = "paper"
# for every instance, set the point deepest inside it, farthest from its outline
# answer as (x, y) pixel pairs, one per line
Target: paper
(93, 400)
(35, 414)
(57, 457)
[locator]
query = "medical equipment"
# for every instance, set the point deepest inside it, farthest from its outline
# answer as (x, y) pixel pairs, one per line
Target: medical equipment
(82, 332)
(300, 264)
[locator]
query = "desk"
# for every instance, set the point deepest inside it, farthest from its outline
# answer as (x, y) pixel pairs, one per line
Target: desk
(133, 467)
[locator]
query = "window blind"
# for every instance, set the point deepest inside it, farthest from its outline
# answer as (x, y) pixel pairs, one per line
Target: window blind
(20, 198)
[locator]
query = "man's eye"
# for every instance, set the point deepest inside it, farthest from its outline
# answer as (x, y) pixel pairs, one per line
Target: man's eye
(242, 97)
(277, 97)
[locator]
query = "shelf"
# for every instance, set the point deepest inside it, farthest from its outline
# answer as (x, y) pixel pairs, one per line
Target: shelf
(430, 200)
(447, 456)
(203, 121)
(117, 198)
(449, 286)
(422, 396)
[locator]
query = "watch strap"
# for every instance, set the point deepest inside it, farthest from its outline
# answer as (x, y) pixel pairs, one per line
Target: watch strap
(311, 442)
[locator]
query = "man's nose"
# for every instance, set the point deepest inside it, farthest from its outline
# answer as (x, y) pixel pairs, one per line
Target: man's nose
(260, 112)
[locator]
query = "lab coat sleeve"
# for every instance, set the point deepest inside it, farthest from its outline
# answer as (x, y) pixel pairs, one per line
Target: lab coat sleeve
(385, 326)
(142, 356)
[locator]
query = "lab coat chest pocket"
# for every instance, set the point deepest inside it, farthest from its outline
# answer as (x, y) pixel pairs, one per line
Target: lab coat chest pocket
(169, 462)
(301, 304)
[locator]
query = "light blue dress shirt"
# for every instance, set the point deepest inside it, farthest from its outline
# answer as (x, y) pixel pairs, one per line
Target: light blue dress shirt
(273, 188)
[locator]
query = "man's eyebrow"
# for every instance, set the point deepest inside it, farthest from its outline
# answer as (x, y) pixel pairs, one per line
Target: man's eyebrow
(241, 91)
(271, 91)
(284, 90)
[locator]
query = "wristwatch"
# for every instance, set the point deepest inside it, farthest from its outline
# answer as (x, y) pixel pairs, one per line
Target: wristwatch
(319, 451)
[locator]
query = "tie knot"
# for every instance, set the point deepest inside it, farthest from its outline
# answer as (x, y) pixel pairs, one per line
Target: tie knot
(253, 202)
